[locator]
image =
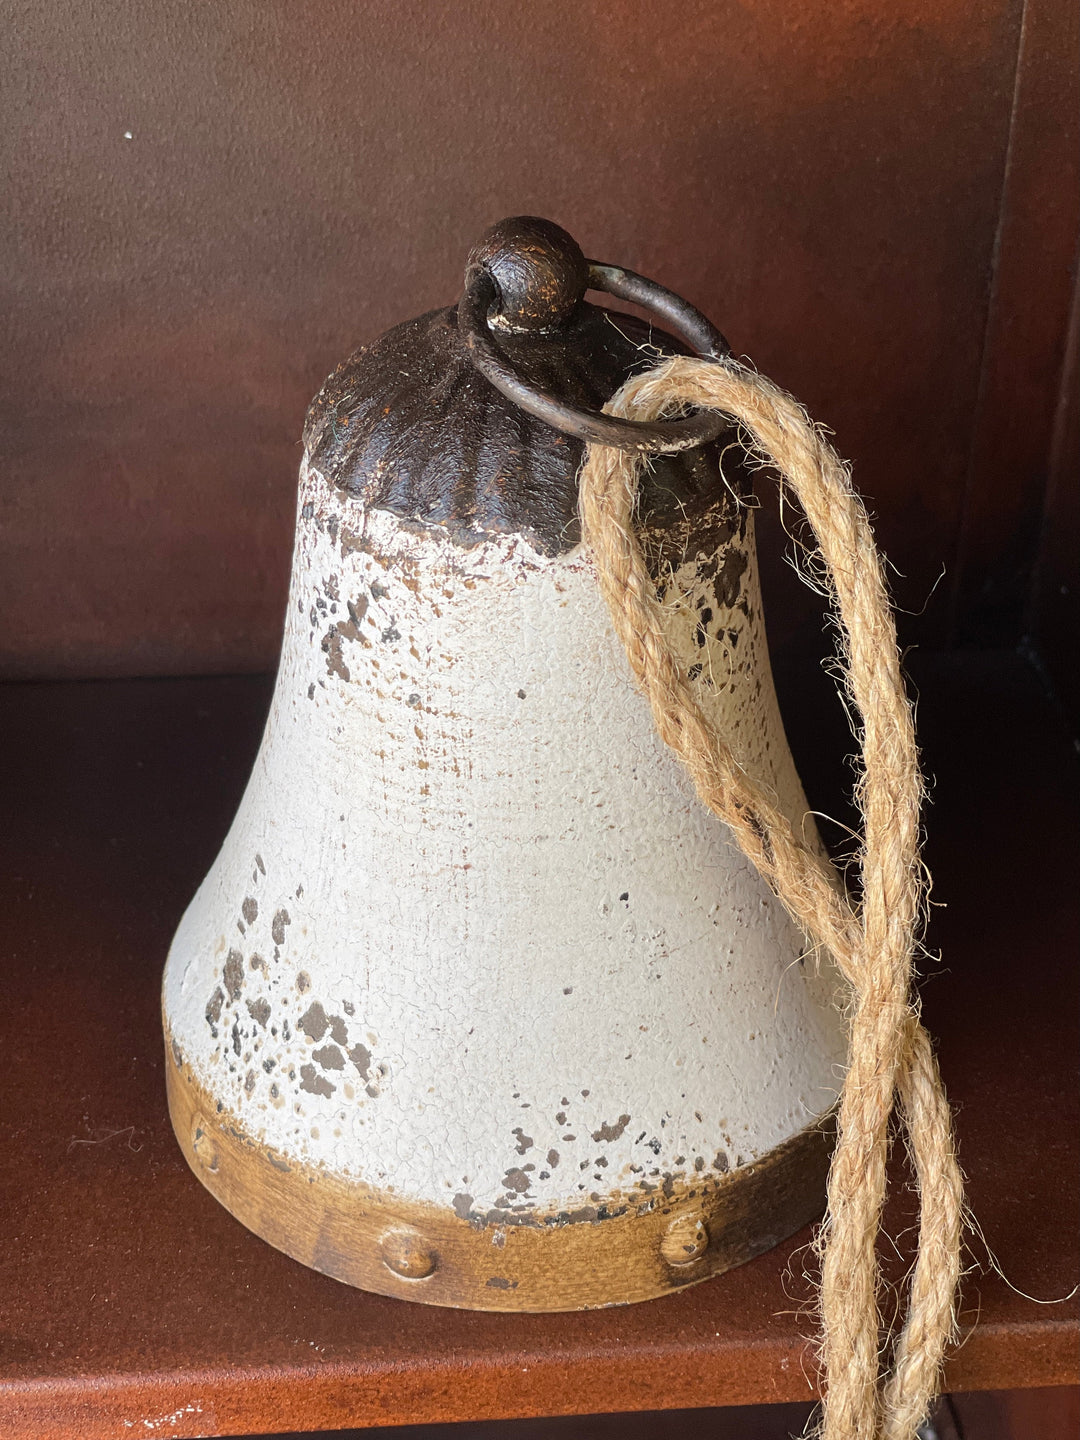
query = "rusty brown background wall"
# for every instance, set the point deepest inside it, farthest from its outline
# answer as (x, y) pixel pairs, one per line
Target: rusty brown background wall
(872, 199)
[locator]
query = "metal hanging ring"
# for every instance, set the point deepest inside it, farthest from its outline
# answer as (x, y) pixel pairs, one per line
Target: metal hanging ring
(648, 437)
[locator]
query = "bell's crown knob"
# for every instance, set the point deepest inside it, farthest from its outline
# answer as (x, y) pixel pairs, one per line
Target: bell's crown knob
(413, 425)
(539, 272)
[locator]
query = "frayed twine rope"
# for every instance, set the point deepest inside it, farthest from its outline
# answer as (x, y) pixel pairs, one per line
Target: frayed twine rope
(889, 1051)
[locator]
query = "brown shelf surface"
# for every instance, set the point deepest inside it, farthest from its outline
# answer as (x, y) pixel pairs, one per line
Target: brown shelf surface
(131, 1303)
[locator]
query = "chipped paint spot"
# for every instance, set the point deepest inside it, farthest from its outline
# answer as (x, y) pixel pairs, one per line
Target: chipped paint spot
(277, 928)
(611, 1132)
(313, 1022)
(314, 1083)
(213, 1008)
(360, 1056)
(329, 1057)
(233, 974)
(335, 663)
(259, 1010)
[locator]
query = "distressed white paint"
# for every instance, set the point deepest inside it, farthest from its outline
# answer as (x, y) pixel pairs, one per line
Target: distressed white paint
(464, 842)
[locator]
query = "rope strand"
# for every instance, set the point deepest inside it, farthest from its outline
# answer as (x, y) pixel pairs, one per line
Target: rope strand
(888, 1051)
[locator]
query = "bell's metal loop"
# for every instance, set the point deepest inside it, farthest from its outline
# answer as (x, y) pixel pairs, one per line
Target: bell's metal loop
(482, 293)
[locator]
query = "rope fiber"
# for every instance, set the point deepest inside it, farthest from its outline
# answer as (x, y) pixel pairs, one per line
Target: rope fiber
(889, 1052)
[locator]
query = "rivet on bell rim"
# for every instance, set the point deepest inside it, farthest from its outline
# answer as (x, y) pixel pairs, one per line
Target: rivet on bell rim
(408, 1254)
(685, 1241)
(203, 1145)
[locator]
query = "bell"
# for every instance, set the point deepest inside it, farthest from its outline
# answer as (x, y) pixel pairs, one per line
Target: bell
(478, 1005)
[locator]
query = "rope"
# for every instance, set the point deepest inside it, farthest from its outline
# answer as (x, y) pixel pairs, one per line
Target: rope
(889, 1052)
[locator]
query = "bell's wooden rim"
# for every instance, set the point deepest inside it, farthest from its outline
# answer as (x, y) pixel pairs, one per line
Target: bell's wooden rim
(643, 1247)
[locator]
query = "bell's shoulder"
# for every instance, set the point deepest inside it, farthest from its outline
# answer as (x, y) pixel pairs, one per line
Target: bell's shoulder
(409, 426)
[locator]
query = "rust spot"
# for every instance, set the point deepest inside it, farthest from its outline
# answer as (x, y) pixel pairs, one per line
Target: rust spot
(233, 973)
(249, 1083)
(721, 1162)
(611, 1132)
(313, 1082)
(313, 1022)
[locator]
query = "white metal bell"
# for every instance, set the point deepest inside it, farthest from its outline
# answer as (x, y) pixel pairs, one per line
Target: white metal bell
(478, 1005)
